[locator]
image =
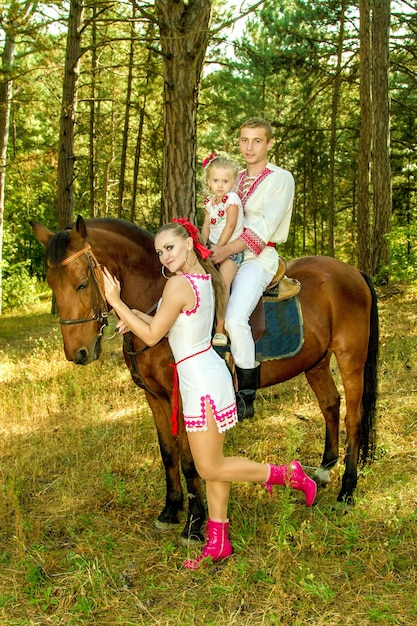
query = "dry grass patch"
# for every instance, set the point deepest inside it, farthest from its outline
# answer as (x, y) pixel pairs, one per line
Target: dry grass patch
(82, 484)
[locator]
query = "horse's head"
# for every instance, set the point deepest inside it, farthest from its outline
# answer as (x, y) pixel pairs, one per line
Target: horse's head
(74, 279)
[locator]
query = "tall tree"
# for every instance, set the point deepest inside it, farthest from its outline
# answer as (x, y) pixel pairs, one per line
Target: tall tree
(92, 121)
(128, 106)
(66, 156)
(184, 34)
(6, 90)
(333, 128)
(381, 139)
(142, 106)
(14, 17)
(365, 138)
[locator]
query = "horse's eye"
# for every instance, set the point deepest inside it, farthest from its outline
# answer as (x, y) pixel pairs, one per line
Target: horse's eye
(82, 286)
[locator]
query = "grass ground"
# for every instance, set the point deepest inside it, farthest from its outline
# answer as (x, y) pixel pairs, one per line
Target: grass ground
(81, 485)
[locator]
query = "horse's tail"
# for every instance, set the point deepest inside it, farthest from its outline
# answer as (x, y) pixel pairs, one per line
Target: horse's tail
(368, 438)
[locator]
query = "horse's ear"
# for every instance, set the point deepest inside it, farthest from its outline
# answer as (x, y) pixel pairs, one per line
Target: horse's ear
(41, 233)
(80, 227)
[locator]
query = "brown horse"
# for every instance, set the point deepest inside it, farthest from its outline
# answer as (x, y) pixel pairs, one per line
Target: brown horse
(340, 317)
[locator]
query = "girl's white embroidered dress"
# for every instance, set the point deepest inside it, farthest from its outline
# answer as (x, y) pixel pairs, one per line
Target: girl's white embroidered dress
(218, 215)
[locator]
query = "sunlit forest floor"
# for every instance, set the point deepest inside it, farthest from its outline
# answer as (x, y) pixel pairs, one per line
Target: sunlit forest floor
(82, 484)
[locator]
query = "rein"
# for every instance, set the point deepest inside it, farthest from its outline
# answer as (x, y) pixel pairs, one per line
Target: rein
(132, 354)
(100, 307)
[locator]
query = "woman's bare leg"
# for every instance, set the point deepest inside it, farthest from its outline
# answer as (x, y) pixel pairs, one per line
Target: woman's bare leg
(217, 470)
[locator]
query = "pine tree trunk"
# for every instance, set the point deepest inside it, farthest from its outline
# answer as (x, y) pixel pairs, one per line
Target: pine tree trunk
(184, 31)
(6, 94)
(126, 125)
(139, 136)
(333, 129)
(92, 121)
(382, 201)
(66, 157)
(365, 139)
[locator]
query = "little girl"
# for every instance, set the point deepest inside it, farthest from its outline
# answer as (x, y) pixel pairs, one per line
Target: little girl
(223, 221)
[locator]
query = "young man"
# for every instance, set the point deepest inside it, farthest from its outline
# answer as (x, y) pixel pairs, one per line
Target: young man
(267, 193)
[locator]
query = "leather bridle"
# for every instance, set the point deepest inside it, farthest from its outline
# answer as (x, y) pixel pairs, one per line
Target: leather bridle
(101, 311)
(100, 307)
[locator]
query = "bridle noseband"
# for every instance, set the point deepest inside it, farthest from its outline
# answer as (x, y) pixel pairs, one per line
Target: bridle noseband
(100, 307)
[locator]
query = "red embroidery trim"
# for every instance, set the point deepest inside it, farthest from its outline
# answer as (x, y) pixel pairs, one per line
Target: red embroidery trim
(258, 180)
(225, 419)
(254, 243)
(174, 414)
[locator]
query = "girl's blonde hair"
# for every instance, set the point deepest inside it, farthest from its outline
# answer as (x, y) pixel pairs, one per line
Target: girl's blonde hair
(218, 285)
(219, 160)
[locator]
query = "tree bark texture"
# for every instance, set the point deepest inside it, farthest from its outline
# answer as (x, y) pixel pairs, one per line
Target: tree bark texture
(333, 128)
(184, 32)
(365, 138)
(126, 125)
(6, 94)
(382, 197)
(66, 157)
(92, 121)
(142, 115)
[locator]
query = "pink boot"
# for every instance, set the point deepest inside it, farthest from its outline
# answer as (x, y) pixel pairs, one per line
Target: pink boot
(293, 476)
(217, 547)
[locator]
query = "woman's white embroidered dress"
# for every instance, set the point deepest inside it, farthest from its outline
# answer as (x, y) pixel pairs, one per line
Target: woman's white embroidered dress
(203, 375)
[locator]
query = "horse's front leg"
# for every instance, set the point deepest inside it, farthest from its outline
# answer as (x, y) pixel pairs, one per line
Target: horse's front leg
(176, 451)
(321, 381)
(168, 446)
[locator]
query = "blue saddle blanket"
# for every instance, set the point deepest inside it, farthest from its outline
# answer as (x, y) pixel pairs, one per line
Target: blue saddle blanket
(284, 330)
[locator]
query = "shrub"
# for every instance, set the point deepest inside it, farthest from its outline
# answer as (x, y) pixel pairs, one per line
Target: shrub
(19, 288)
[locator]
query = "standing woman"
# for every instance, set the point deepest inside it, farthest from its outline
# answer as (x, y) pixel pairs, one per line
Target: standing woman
(186, 313)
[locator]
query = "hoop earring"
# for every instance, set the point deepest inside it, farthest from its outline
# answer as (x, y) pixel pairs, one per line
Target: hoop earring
(163, 272)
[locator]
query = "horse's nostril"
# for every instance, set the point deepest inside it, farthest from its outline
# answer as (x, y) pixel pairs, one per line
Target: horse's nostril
(82, 357)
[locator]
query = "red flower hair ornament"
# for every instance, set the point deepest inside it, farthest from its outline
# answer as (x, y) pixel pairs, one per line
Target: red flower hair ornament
(209, 159)
(193, 232)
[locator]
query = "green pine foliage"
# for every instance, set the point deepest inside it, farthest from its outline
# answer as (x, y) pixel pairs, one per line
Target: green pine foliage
(281, 66)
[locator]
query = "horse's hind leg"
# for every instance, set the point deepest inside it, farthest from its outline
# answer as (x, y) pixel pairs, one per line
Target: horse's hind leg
(352, 371)
(321, 381)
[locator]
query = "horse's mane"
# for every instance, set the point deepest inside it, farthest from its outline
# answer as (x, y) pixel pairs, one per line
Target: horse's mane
(58, 244)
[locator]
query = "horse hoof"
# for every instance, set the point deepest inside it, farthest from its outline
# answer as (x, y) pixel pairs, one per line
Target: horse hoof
(322, 476)
(165, 525)
(191, 540)
(346, 500)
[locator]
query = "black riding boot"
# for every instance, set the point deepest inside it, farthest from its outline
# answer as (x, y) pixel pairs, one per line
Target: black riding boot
(248, 381)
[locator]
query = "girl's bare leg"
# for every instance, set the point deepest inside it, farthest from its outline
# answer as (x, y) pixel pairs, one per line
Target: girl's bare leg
(228, 271)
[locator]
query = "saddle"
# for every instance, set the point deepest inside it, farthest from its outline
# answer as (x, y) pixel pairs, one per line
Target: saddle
(280, 288)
